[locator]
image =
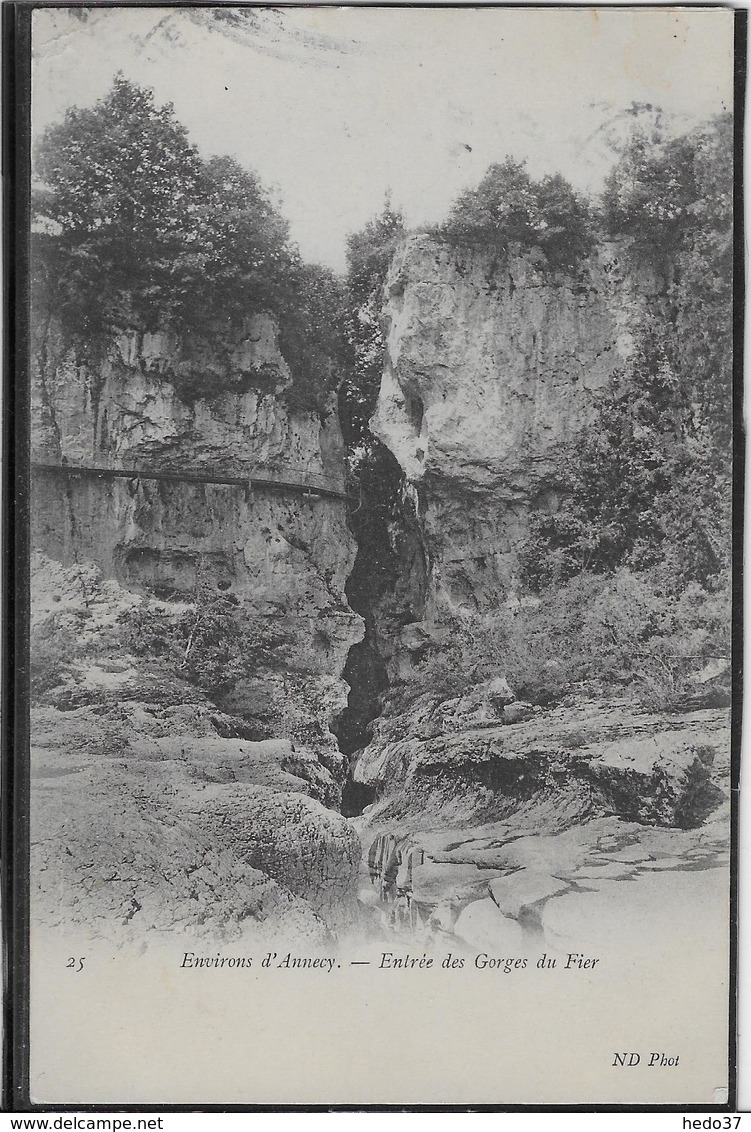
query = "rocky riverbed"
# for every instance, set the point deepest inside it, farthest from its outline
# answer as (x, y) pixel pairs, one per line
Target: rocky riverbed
(580, 825)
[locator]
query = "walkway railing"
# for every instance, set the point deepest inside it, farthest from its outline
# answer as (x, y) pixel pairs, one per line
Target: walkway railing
(270, 477)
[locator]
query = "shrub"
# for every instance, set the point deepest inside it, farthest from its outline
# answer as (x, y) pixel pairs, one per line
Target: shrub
(623, 634)
(647, 485)
(213, 643)
(53, 649)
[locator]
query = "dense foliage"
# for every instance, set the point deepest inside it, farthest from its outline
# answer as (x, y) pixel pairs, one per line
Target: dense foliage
(649, 486)
(209, 640)
(205, 644)
(595, 634)
(312, 336)
(211, 643)
(133, 224)
(508, 206)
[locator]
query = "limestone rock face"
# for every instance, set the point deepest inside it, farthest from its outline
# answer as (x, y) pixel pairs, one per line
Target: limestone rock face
(153, 394)
(493, 364)
(164, 803)
(153, 402)
(313, 852)
(529, 816)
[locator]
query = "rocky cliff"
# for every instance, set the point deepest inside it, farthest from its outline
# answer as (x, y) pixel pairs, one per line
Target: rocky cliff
(217, 775)
(176, 484)
(151, 402)
(493, 366)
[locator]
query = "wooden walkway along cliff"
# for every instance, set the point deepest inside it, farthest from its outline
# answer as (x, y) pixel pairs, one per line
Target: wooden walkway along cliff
(310, 484)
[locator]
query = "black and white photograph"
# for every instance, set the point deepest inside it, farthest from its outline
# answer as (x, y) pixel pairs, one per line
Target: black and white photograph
(380, 557)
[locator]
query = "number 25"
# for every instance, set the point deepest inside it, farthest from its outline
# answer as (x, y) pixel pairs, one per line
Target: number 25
(72, 964)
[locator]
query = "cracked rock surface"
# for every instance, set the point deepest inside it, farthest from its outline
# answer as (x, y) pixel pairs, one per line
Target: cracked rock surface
(151, 812)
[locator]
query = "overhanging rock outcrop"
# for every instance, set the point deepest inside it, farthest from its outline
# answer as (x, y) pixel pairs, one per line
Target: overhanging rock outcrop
(550, 771)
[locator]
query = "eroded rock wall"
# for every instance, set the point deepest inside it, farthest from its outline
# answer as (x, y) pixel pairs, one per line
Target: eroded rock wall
(494, 364)
(152, 401)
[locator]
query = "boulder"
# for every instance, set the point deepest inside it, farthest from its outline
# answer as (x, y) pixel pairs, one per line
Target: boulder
(517, 712)
(662, 778)
(135, 830)
(111, 856)
(482, 706)
(313, 852)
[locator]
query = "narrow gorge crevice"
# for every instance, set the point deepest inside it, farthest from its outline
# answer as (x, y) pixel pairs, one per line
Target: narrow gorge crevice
(375, 569)
(379, 590)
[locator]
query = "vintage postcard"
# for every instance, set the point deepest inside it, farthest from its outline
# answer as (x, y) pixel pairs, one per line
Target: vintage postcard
(380, 559)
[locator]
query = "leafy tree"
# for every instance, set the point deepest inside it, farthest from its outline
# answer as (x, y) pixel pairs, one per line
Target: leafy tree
(369, 255)
(313, 337)
(638, 492)
(502, 208)
(235, 257)
(116, 182)
(650, 189)
(133, 227)
(703, 288)
(564, 222)
(509, 207)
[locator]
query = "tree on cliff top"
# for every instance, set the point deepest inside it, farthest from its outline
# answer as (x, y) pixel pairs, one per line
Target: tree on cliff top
(509, 207)
(133, 226)
(664, 183)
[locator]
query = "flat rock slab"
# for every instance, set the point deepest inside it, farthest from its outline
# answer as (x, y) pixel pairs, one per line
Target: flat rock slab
(521, 889)
(437, 882)
(562, 766)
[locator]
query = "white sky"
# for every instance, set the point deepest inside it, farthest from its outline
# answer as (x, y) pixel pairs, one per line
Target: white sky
(333, 106)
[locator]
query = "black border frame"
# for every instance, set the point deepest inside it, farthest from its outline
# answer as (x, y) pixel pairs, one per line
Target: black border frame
(14, 736)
